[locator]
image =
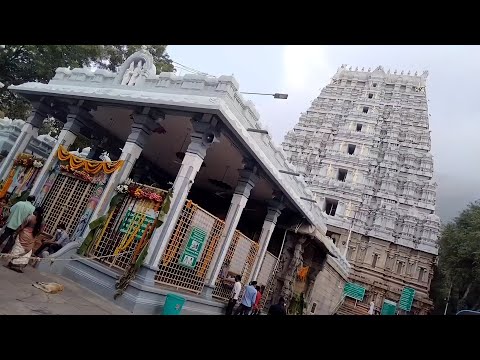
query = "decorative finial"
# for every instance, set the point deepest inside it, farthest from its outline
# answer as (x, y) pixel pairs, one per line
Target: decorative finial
(363, 69)
(395, 72)
(408, 72)
(356, 68)
(350, 68)
(416, 73)
(388, 72)
(369, 69)
(401, 73)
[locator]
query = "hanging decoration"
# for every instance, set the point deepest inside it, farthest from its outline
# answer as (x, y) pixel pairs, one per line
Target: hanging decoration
(79, 174)
(302, 273)
(141, 250)
(139, 192)
(91, 167)
(131, 188)
(28, 161)
(22, 175)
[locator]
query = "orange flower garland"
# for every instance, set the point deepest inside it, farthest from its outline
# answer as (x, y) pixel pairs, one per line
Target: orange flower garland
(91, 167)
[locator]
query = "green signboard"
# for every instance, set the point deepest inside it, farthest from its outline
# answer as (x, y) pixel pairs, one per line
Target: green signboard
(354, 291)
(130, 217)
(192, 251)
(406, 299)
(389, 307)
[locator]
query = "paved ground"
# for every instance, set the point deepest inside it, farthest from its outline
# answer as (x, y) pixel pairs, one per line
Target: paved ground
(19, 297)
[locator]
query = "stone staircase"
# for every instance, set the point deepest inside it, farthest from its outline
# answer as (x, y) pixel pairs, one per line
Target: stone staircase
(348, 308)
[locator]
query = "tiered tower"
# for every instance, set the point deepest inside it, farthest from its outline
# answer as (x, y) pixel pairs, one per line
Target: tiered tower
(364, 149)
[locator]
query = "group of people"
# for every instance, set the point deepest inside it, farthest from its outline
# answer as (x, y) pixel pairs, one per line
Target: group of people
(250, 303)
(21, 228)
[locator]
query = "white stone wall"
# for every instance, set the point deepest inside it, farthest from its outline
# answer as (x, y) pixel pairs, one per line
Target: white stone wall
(382, 120)
(327, 291)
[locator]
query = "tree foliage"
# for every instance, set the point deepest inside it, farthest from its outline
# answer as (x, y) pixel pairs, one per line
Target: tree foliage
(458, 271)
(26, 63)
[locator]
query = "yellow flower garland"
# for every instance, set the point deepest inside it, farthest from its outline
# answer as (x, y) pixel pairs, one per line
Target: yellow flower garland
(92, 167)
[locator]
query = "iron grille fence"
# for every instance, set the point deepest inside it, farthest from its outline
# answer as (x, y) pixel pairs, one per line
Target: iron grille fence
(123, 230)
(66, 202)
(239, 261)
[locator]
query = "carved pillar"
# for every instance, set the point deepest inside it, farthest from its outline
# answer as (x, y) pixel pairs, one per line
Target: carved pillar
(274, 210)
(142, 127)
(69, 133)
(203, 135)
(29, 130)
(292, 271)
(246, 182)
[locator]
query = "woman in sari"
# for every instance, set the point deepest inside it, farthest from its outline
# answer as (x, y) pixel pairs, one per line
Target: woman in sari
(25, 240)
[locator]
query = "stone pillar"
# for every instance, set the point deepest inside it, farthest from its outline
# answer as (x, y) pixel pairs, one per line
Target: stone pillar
(142, 127)
(246, 182)
(202, 137)
(67, 136)
(274, 210)
(29, 130)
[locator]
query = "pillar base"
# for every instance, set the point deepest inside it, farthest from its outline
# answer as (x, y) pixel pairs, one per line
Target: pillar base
(138, 298)
(207, 292)
(146, 275)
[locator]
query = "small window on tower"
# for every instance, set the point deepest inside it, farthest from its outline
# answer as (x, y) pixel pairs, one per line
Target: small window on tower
(359, 127)
(342, 174)
(331, 206)
(365, 110)
(370, 96)
(314, 306)
(374, 261)
(421, 272)
(399, 267)
(351, 149)
(374, 84)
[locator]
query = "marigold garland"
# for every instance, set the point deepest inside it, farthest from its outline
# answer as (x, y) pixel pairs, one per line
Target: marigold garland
(92, 167)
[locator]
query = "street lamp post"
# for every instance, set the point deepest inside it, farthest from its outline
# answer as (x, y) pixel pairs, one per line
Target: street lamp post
(350, 231)
(275, 96)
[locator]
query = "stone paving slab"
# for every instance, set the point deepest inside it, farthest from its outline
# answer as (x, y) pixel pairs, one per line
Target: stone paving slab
(19, 297)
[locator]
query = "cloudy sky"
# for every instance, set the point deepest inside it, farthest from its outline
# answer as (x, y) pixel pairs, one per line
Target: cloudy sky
(301, 71)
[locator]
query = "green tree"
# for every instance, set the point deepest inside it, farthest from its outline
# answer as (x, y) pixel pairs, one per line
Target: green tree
(458, 271)
(25, 63)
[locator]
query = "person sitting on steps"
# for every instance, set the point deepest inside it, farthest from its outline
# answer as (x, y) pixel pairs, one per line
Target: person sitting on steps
(59, 240)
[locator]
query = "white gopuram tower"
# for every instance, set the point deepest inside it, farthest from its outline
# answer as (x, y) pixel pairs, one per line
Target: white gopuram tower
(363, 147)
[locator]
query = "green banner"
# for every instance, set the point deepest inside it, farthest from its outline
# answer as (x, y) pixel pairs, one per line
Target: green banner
(354, 291)
(130, 217)
(193, 250)
(406, 299)
(389, 307)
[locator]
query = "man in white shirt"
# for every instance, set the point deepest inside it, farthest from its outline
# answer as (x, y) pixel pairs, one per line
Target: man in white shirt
(234, 295)
(248, 300)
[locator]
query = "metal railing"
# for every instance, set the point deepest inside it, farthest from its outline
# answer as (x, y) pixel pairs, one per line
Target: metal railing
(66, 202)
(171, 272)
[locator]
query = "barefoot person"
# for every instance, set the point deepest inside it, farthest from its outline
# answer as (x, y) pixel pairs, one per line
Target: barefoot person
(59, 240)
(18, 213)
(25, 240)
